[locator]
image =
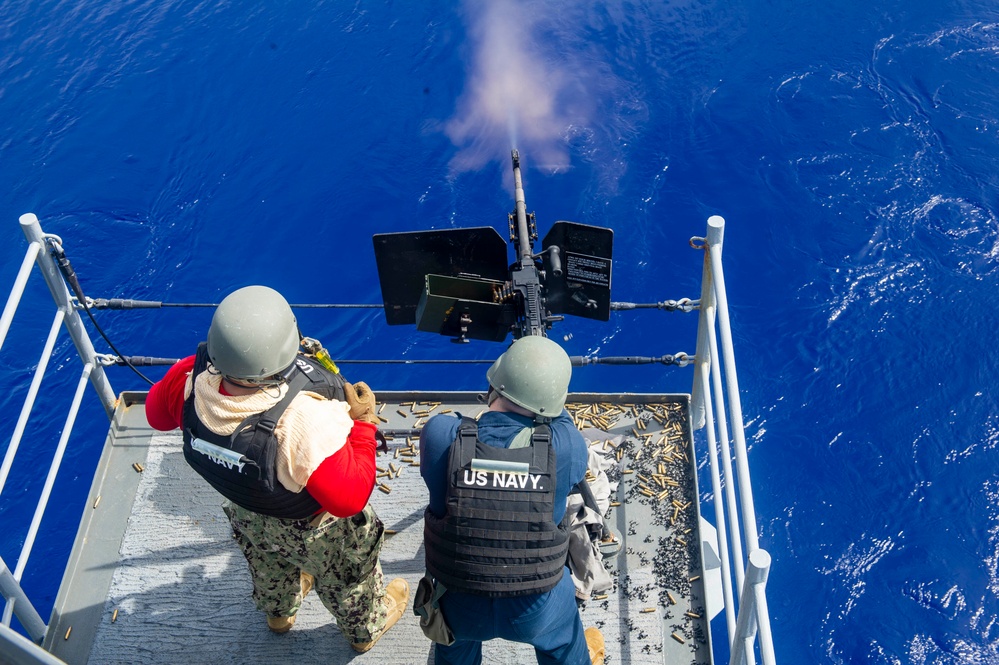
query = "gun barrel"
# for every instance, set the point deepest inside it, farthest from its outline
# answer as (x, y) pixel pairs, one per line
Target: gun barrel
(524, 250)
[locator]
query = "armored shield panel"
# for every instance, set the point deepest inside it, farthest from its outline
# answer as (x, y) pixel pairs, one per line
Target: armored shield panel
(583, 287)
(405, 259)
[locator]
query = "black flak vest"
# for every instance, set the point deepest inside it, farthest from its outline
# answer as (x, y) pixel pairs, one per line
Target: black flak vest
(242, 466)
(497, 537)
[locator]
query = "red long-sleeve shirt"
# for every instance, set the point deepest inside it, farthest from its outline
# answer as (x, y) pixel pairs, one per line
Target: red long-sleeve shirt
(341, 484)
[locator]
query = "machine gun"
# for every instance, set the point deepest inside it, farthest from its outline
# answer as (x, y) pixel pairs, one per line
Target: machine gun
(458, 282)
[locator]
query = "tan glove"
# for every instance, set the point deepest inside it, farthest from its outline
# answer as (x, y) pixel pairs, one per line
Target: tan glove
(361, 401)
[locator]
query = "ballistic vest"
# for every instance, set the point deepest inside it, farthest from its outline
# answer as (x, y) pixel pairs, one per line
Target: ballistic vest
(242, 466)
(497, 537)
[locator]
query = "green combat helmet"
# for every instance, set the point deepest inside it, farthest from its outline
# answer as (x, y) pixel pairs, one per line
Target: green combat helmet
(254, 334)
(534, 374)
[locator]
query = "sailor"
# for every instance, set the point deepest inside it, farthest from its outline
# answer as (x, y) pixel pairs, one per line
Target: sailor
(495, 545)
(291, 447)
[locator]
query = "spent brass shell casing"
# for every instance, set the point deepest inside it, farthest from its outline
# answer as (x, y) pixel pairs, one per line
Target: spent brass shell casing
(693, 615)
(694, 578)
(137, 467)
(678, 638)
(391, 532)
(114, 616)
(647, 610)
(672, 600)
(68, 631)
(97, 501)
(600, 597)
(385, 489)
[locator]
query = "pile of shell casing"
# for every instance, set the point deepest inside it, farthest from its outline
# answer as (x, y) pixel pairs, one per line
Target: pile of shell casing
(651, 450)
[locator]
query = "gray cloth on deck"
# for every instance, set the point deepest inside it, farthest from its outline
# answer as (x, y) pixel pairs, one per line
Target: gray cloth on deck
(586, 565)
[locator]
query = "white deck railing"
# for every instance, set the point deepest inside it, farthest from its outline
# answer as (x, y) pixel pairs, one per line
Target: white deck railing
(744, 566)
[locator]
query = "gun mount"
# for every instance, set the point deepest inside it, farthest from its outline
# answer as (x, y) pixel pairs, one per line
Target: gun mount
(459, 283)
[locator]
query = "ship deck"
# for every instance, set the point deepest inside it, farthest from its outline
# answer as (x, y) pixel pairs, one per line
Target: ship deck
(155, 577)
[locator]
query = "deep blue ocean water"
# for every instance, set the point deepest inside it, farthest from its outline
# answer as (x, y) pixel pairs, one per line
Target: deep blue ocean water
(183, 149)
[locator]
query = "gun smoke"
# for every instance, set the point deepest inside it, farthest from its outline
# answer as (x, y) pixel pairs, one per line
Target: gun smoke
(523, 90)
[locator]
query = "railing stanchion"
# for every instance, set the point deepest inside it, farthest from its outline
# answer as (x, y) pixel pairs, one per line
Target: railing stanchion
(716, 231)
(74, 324)
(757, 571)
(21, 606)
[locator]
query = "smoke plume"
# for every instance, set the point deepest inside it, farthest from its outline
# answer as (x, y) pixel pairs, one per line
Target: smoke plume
(522, 89)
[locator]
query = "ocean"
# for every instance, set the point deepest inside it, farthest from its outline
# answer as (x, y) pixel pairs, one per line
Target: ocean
(182, 149)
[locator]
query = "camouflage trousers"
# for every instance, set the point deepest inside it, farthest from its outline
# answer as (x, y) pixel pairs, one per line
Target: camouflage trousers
(340, 553)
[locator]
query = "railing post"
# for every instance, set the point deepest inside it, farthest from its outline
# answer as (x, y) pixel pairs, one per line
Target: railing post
(22, 607)
(697, 393)
(716, 232)
(757, 571)
(74, 324)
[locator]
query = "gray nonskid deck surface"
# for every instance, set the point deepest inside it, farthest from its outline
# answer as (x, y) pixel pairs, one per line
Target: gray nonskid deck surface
(182, 590)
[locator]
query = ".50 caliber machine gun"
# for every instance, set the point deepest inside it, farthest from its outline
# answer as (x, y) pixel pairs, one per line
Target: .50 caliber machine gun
(457, 282)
